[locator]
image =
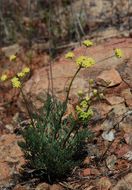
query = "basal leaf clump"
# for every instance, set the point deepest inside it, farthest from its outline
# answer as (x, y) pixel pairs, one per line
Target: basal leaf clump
(52, 144)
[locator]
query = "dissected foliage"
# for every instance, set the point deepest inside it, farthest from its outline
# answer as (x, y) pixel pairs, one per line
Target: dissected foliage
(52, 144)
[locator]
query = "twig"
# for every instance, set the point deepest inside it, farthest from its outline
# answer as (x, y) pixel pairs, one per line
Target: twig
(121, 174)
(66, 185)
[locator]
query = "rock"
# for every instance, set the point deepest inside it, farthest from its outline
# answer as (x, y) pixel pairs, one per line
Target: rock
(129, 102)
(11, 156)
(128, 155)
(102, 109)
(20, 187)
(109, 136)
(108, 33)
(119, 110)
(110, 161)
(122, 164)
(126, 124)
(124, 149)
(92, 150)
(95, 172)
(107, 125)
(127, 96)
(11, 50)
(109, 78)
(9, 127)
(124, 183)
(113, 100)
(4, 171)
(104, 184)
(125, 71)
(86, 161)
(15, 118)
(116, 90)
(43, 186)
(91, 187)
(86, 172)
(128, 137)
(56, 187)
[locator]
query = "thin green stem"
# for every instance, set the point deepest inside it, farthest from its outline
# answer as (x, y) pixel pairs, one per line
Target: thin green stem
(27, 107)
(65, 106)
(67, 137)
(105, 59)
(66, 101)
(68, 92)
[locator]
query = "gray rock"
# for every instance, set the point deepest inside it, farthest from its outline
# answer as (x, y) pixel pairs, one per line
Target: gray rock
(11, 50)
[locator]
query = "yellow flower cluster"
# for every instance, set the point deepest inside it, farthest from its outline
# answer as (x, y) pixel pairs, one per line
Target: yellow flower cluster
(84, 115)
(69, 55)
(85, 61)
(26, 70)
(118, 53)
(87, 43)
(23, 72)
(16, 82)
(12, 58)
(3, 77)
(83, 111)
(84, 104)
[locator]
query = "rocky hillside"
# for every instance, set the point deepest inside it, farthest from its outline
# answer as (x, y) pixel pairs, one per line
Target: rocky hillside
(28, 21)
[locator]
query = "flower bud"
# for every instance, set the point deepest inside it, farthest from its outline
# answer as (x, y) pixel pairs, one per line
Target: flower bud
(95, 92)
(91, 81)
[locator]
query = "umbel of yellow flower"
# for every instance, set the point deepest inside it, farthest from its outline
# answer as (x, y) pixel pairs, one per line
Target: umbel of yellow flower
(118, 53)
(85, 61)
(21, 74)
(12, 58)
(84, 104)
(84, 115)
(87, 43)
(16, 82)
(69, 55)
(3, 77)
(26, 70)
